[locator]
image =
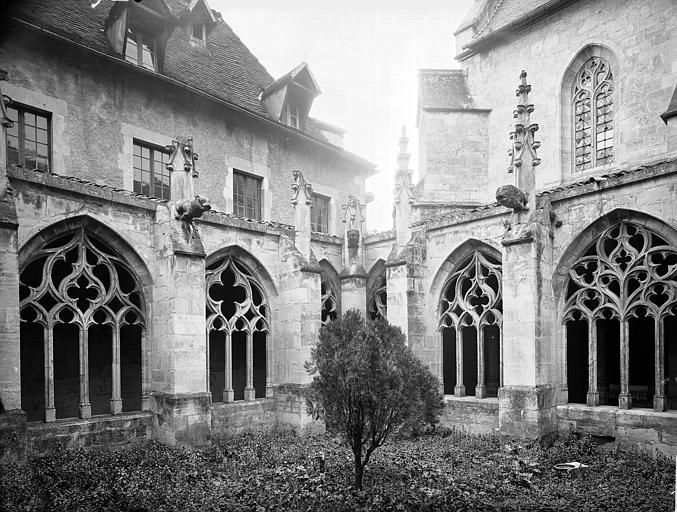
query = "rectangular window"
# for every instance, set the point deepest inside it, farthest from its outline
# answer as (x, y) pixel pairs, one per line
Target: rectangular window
(246, 196)
(319, 216)
(140, 49)
(293, 114)
(28, 140)
(151, 177)
(198, 32)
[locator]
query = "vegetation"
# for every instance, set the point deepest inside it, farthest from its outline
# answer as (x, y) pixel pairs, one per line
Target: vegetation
(367, 383)
(280, 471)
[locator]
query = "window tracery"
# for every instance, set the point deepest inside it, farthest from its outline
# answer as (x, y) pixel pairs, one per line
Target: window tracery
(377, 307)
(78, 280)
(627, 275)
(330, 307)
(237, 308)
(470, 311)
(593, 114)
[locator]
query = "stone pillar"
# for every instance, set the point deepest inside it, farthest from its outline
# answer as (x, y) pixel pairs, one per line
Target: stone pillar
(353, 275)
(302, 200)
(179, 397)
(84, 406)
(403, 195)
(528, 398)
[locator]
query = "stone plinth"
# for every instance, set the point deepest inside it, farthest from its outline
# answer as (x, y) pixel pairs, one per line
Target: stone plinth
(354, 292)
(182, 418)
(527, 412)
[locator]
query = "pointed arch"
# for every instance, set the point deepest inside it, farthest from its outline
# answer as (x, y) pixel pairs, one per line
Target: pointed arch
(85, 298)
(330, 291)
(616, 295)
(238, 293)
(468, 293)
(377, 291)
(587, 107)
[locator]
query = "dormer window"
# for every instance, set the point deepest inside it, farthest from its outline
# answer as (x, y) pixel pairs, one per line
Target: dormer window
(293, 114)
(141, 49)
(199, 32)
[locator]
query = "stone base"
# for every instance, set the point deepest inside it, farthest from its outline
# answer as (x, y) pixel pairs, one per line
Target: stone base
(12, 435)
(183, 418)
(470, 414)
(527, 412)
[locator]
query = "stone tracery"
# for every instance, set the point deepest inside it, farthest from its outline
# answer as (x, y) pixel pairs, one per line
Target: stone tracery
(77, 289)
(628, 274)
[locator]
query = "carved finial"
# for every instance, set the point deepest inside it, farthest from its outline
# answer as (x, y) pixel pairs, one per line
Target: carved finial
(300, 186)
(354, 216)
(184, 147)
(403, 175)
(403, 157)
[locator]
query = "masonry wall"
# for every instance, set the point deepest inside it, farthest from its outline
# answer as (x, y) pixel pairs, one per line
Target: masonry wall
(99, 107)
(642, 36)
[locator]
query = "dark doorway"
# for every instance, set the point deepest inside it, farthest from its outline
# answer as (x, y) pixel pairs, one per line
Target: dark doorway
(608, 361)
(32, 371)
(641, 377)
(577, 361)
(66, 370)
(492, 358)
(217, 364)
(100, 355)
(259, 339)
(239, 364)
(131, 367)
(670, 351)
(469, 360)
(449, 360)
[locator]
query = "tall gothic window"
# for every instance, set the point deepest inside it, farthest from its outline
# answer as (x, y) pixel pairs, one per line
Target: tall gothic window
(620, 317)
(377, 296)
(238, 330)
(470, 320)
(593, 110)
(82, 326)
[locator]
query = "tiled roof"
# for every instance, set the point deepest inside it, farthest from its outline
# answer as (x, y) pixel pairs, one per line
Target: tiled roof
(443, 89)
(225, 69)
(671, 111)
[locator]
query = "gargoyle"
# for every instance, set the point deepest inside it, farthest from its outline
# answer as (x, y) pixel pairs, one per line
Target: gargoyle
(511, 197)
(190, 209)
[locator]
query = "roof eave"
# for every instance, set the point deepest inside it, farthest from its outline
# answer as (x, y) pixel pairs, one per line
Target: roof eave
(368, 168)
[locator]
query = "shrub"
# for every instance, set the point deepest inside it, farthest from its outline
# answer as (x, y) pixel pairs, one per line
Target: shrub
(367, 383)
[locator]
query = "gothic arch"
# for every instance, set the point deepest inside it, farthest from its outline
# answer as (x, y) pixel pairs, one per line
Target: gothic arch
(377, 291)
(468, 293)
(330, 292)
(85, 298)
(567, 145)
(238, 295)
(616, 297)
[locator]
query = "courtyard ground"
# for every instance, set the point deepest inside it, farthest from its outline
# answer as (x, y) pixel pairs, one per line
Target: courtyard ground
(281, 471)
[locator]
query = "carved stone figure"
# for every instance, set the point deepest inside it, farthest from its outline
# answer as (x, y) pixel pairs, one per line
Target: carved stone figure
(511, 197)
(353, 238)
(184, 147)
(192, 208)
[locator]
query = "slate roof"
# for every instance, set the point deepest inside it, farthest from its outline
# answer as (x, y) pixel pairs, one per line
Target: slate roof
(671, 111)
(443, 89)
(489, 17)
(225, 69)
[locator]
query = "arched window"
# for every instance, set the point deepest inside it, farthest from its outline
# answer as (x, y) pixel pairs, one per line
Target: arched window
(238, 328)
(470, 315)
(82, 326)
(377, 296)
(620, 312)
(593, 113)
(329, 298)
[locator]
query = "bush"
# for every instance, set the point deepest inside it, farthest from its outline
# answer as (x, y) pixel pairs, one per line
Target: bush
(367, 383)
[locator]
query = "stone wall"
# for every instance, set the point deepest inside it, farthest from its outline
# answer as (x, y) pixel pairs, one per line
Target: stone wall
(99, 108)
(640, 34)
(470, 415)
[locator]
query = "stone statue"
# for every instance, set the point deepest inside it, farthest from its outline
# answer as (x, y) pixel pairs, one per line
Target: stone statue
(190, 209)
(511, 197)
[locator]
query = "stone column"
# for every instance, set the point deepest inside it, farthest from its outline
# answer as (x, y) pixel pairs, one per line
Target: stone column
(84, 407)
(624, 397)
(528, 398)
(459, 389)
(592, 398)
(116, 398)
(228, 391)
(180, 398)
(659, 364)
(481, 387)
(50, 409)
(249, 391)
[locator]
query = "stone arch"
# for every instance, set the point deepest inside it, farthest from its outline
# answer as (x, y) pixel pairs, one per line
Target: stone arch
(240, 296)
(588, 52)
(454, 259)
(377, 290)
(330, 291)
(85, 298)
(467, 291)
(616, 300)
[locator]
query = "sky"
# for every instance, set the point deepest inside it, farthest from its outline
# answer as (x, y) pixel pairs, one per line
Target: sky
(365, 56)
